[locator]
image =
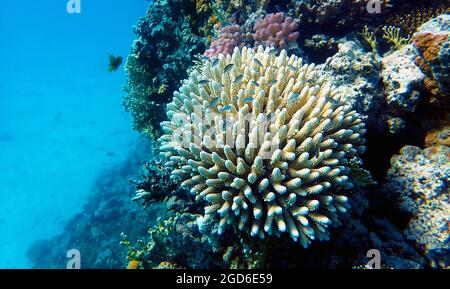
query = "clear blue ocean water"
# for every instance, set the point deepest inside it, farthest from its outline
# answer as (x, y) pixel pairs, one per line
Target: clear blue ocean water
(61, 118)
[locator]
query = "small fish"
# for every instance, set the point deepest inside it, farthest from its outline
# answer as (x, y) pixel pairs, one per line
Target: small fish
(227, 108)
(57, 117)
(215, 101)
(204, 81)
(293, 96)
(256, 60)
(292, 67)
(292, 45)
(248, 99)
(332, 100)
(114, 63)
(215, 61)
(255, 83)
(272, 82)
(228, 68)
(239, 78)
(273, 51)
(236, 98)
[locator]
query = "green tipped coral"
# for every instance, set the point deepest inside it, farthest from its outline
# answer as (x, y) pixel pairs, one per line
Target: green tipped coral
(370, 38)
(393, 35)
(266, 141)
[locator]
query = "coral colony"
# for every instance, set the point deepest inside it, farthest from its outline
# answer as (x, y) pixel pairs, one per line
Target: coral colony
(289, 175)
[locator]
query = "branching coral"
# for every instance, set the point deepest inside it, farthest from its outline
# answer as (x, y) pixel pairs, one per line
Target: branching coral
(393, 34)
(230, 37)
(411, 16)
(370, 38)
(155, 184)
(165, 45)
(275, 31)
(266, 141)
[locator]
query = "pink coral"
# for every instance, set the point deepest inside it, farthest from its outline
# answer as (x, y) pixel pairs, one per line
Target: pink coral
(230, 37)
(274, 31)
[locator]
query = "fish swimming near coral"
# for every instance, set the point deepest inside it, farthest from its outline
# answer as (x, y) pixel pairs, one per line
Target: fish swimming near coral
(114, 63)
(228, 68)
(239, 78)
(292, 45)
(227, 108)
(215, 61)
(272, 82)
(256, 60)
(204, 81)
(215, 101)
(293, 96)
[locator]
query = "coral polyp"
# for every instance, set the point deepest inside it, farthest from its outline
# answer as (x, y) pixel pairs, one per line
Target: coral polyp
(264, 141)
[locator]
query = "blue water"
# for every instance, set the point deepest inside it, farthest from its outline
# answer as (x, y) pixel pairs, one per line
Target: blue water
(61, 118)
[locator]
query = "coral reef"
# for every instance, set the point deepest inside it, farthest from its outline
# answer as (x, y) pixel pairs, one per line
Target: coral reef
(419, 180)
(167, 243)
(438, 137)
(402, 79)
(357, 75)
(260, 144)
(230, 37)
(155, 184)
(340, 14)
(433, 42)
(95, 231)
(165, 47)
(319, 47)
(277, 31)
(393, 35)
(286, 174)
(412, 14)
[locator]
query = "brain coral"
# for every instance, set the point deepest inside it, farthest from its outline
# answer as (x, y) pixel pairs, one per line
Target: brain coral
(265, 140)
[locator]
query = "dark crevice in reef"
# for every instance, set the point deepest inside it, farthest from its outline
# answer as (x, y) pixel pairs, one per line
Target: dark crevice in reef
(382, 146)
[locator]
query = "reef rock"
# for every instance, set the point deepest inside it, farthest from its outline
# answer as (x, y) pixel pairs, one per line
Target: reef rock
(356, 73)
(402, 79)
(418, 180)
(433, 43)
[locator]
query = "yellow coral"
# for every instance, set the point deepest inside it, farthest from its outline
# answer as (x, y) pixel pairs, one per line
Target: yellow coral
(133, 264)
(202, 6)
(393, 34)
(369, 37)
